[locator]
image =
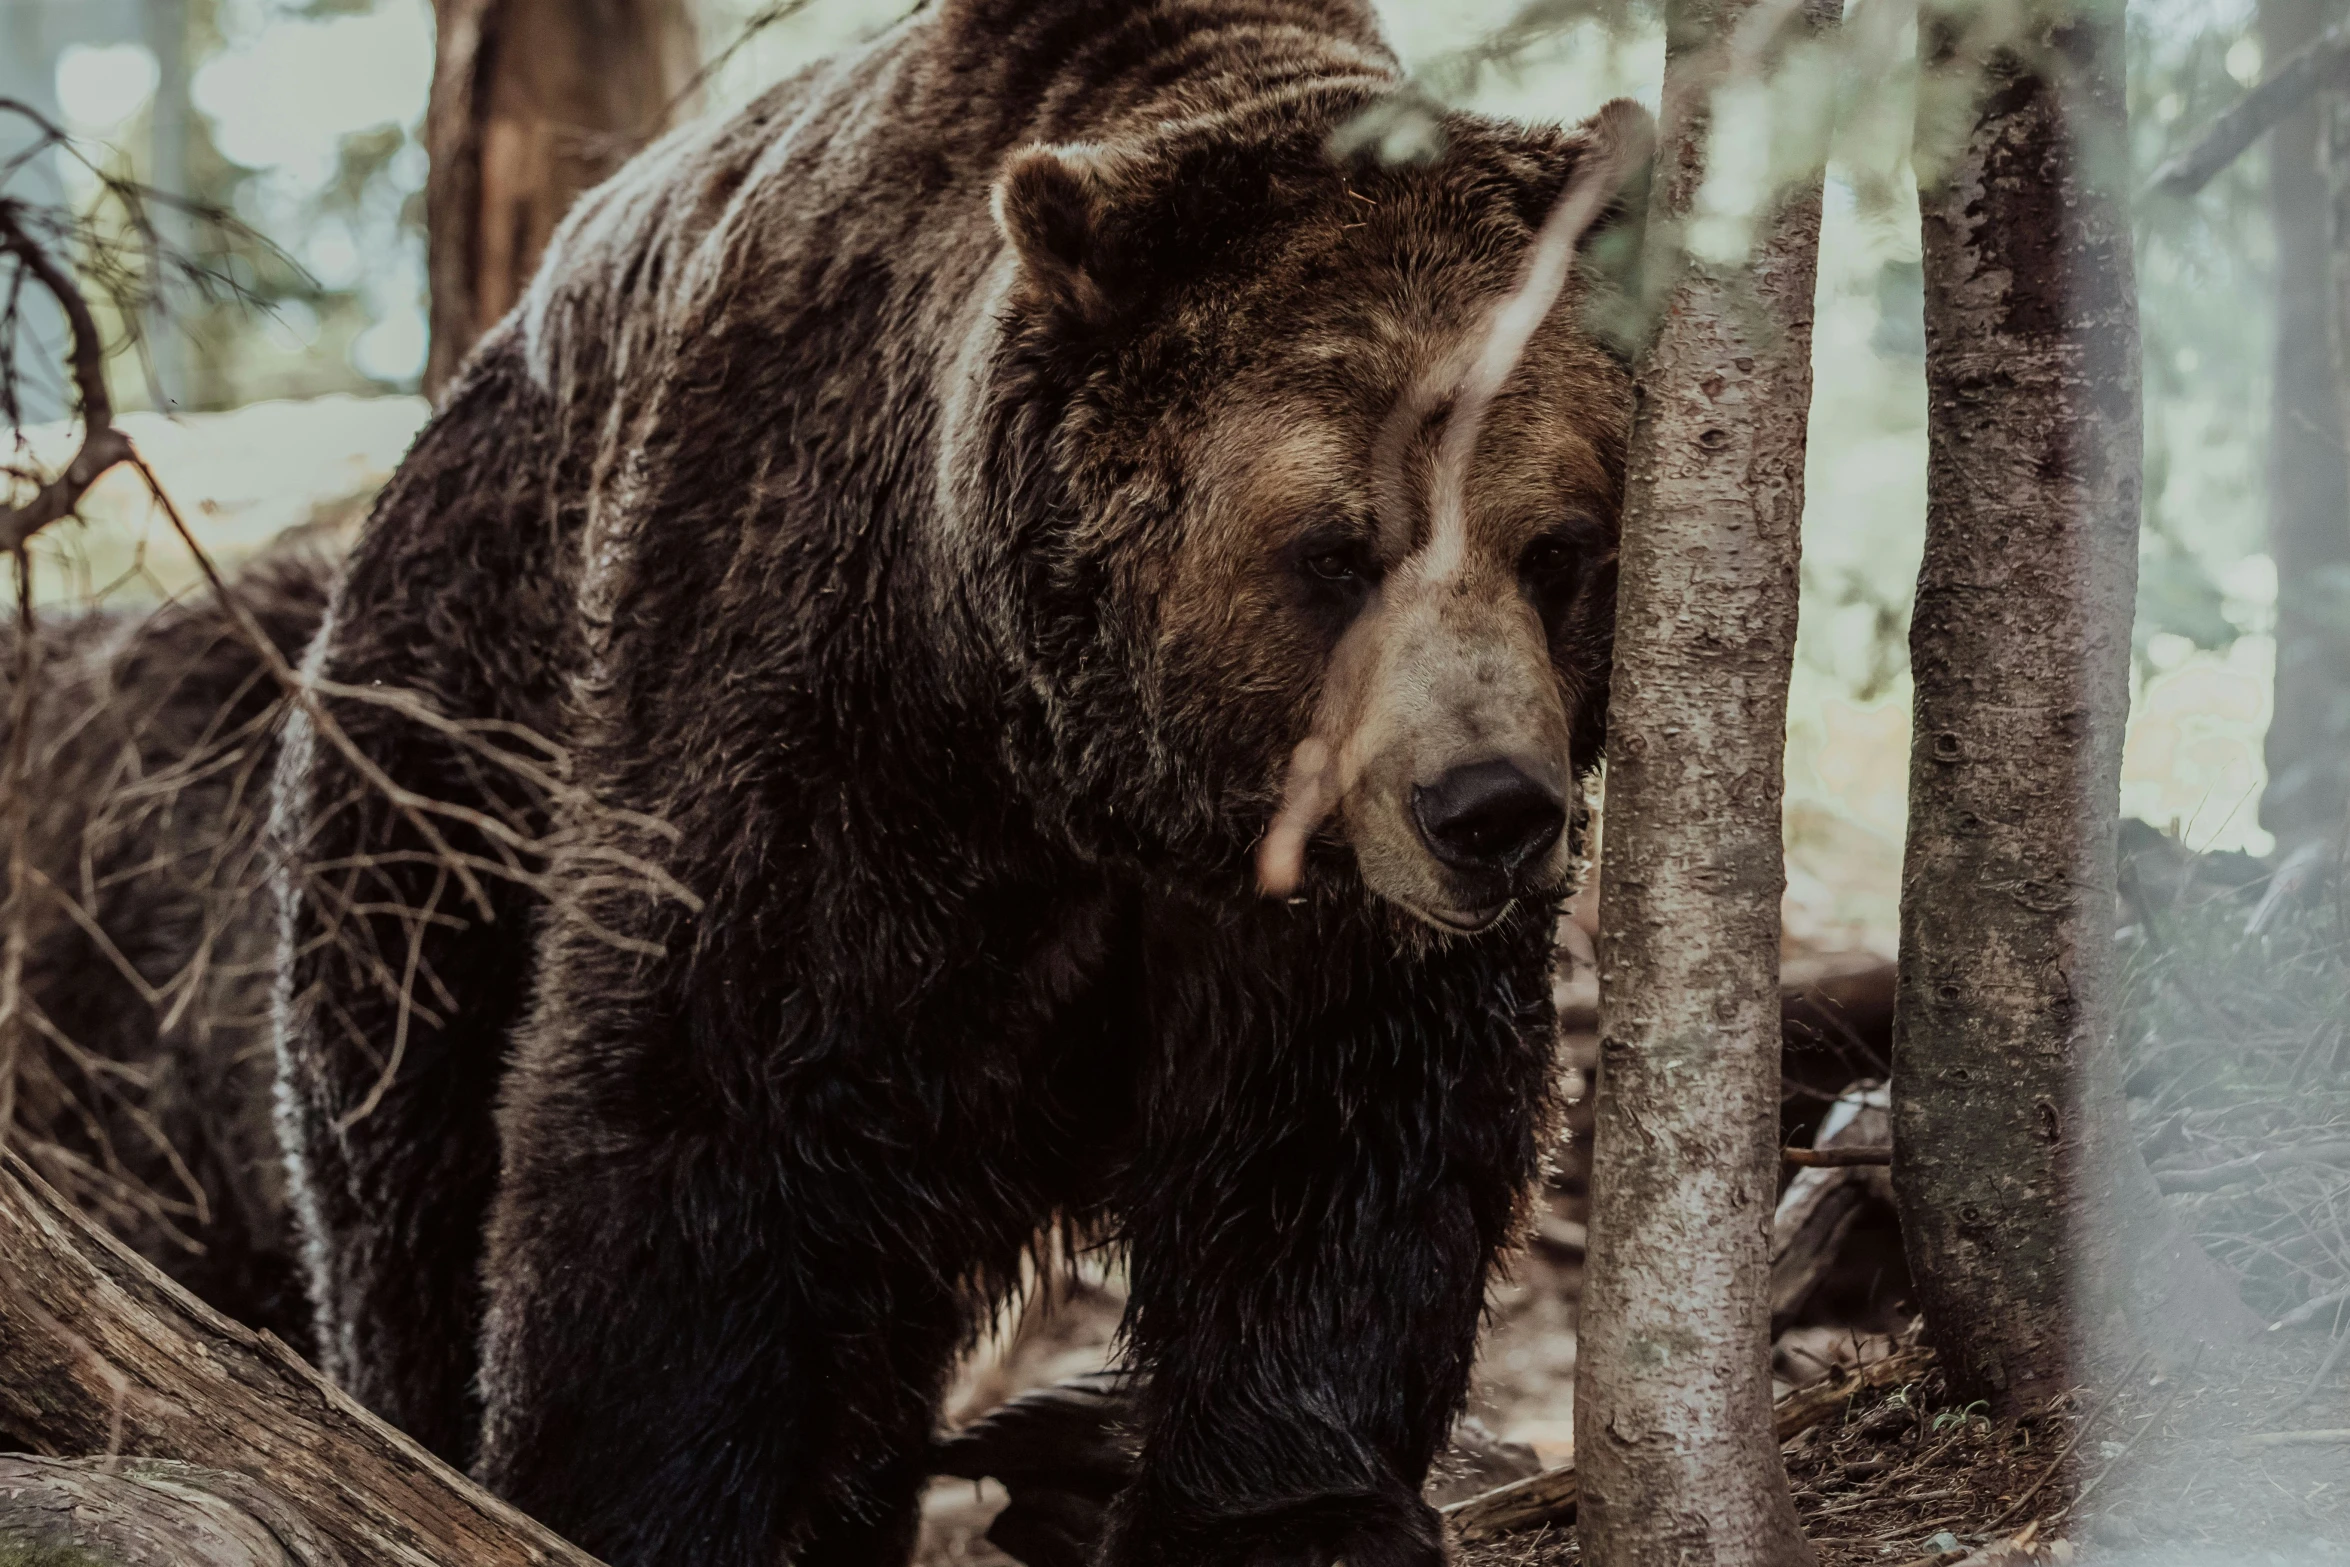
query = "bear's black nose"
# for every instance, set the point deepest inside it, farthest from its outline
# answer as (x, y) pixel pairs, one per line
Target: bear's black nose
(1488, 816)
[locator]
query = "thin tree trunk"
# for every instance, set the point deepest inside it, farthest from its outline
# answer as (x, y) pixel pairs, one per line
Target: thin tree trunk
(2031, 1222)
(533, 102)
(2308, 746)
(1673, 1431)
(100, 1353)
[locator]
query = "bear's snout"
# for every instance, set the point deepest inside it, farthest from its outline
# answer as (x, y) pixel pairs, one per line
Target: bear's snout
(1489, 818)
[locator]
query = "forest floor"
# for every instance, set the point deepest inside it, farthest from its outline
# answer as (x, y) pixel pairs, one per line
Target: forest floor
(2239, 1085)
(2184, 1470)
(2166, 1471)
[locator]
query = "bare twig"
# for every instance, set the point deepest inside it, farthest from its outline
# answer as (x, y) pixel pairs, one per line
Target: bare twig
(102, 444)
(2333, 1437)
(769, 16)
(1836, 1158)
(2213, 1177)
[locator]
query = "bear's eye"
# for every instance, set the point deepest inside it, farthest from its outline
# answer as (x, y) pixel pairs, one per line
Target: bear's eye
(1336, 559)
(1339, 564)
(1549, 563)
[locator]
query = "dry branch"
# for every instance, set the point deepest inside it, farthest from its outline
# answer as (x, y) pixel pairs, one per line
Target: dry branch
(102, 444)
(2330, 1437)
(100, 1353)
(2212, 1177)
(2286, 89)
(1551, 1496)
(1838, 1158)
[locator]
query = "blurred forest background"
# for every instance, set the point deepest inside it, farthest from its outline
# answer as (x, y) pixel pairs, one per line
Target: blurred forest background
(304, 118)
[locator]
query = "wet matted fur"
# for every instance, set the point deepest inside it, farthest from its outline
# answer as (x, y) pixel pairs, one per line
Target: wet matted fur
(924, 510)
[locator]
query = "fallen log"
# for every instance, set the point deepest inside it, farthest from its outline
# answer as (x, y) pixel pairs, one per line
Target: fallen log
(101, 1354)
(146, 1512)
(1550, 1497)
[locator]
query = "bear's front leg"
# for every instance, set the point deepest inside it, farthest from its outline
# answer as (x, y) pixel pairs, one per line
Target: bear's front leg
(1335, 1149)
(715, 1336)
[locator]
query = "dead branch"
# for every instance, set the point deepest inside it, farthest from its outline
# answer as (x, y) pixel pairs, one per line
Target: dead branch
(2330, 1437)
(102, 444)
(1837, 1158)
(2212, 1177)
(1551, 1496)
(100, 1353)
(2286, 89)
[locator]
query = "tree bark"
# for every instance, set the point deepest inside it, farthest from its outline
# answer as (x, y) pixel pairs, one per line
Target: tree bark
(533, 102)
(2032, 1226)
(99, 1353)
(2309, 737)
(148, 1512)
(1673, 1428)
(2308, 745)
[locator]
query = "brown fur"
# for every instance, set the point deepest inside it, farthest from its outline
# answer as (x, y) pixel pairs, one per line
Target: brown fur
(911, 506)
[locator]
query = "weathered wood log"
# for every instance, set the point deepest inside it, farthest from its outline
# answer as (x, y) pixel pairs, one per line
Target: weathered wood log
(149, 1512)
(101, 1354)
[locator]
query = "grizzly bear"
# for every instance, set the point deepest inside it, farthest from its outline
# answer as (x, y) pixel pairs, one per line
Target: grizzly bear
(781, 844)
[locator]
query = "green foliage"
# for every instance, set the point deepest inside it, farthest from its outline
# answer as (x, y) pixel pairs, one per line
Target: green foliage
(1978, 1410)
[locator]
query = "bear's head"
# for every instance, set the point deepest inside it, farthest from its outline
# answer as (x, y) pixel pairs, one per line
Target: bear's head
(1316, 570)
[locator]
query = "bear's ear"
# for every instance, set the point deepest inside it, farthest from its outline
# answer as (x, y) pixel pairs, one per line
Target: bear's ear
(1052, 204)
(1618, 144)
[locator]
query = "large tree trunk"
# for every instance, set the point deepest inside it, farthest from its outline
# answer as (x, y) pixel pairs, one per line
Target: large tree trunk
(99, 1353)
(2308, 748)
(1673, 1430)
(533, 102)
(2029, 1216)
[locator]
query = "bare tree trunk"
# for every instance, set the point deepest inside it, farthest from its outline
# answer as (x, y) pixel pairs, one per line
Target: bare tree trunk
(2308, 747)
(1673, 1431)
(99, 1353)
(533, 102)
(2029, 1217)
